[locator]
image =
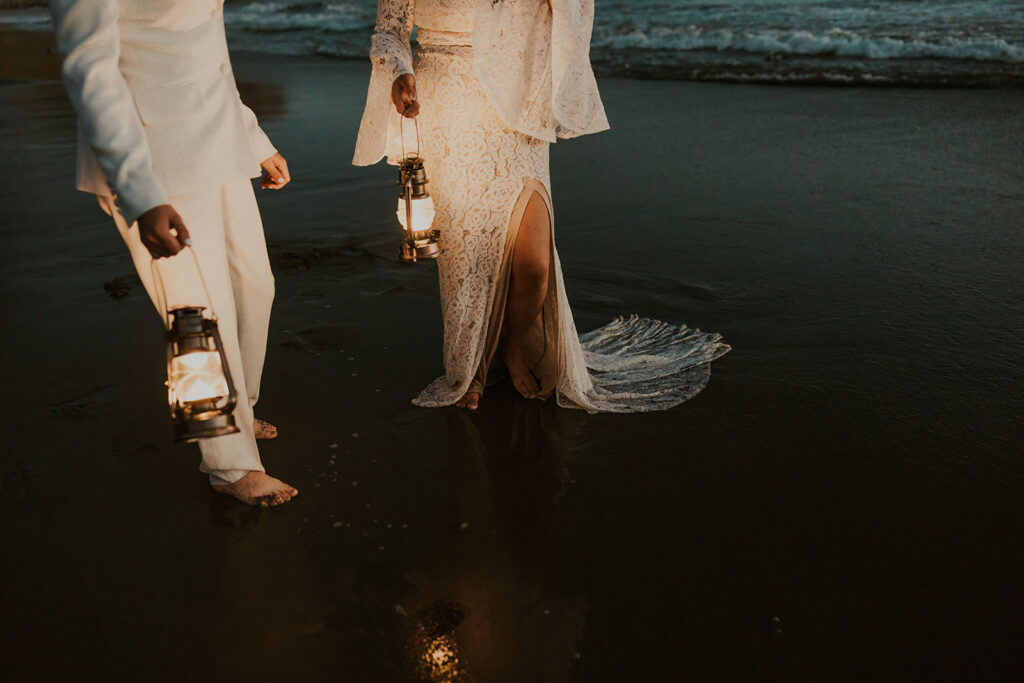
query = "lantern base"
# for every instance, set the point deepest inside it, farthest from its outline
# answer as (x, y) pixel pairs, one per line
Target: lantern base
(415, 250)
(220, 424)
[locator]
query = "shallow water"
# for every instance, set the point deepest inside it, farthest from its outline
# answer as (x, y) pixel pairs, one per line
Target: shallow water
(841, 503)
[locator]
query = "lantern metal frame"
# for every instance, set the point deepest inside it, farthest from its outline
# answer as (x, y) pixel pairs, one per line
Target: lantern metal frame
(418, 244)
(187, 329)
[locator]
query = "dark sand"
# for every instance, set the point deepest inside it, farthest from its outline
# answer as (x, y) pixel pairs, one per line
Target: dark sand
(844, 502)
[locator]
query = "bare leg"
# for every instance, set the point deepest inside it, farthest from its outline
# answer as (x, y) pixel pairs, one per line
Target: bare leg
(528, 288)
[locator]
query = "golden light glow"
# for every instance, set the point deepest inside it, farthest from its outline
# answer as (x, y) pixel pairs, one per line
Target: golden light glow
(441, 653)
(197, 376)
(422, 213)
(441, 659)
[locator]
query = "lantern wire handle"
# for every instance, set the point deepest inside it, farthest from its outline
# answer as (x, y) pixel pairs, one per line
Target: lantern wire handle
(161, 291)
(401, 124)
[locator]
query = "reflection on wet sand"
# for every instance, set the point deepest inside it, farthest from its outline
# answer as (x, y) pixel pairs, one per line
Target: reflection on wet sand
(846, 473)
(261, 594)
(29, 54)
(485, 611)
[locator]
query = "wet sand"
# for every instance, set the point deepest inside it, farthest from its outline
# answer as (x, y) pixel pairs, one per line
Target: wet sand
(843, 502)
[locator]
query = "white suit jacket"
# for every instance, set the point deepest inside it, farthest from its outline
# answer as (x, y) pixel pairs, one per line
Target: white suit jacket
(158, 111)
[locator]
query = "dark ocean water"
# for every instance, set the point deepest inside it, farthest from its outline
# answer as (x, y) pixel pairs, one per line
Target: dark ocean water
(908, 42)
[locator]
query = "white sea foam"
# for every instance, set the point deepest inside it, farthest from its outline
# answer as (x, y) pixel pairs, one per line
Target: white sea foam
(835, 42)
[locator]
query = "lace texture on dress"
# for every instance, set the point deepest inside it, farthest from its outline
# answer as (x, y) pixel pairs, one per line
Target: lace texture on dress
(533, 62)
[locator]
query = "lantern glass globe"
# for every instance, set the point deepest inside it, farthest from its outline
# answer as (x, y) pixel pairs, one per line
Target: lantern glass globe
(197, 376)
(422, 213)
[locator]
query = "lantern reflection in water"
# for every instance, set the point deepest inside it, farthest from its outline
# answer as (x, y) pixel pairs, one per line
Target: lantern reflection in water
(436, 654)
(441, 659)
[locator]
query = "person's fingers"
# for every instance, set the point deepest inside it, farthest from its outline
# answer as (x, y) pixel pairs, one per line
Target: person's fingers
(154, 246)
(398, 96)
(156, 249)
(282, 166)
(281, 176)
(277, 173)
(170, 243)
(412, 107)
(403, 94)
(165, 235)
(177, 224)
(270, 180)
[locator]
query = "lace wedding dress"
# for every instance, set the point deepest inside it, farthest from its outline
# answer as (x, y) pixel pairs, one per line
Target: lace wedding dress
(498, 81)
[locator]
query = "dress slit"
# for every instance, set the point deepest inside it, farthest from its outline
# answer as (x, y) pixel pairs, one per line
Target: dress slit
(543, 350)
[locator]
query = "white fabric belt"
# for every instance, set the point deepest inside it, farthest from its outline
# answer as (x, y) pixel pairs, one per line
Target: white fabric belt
(428, 37)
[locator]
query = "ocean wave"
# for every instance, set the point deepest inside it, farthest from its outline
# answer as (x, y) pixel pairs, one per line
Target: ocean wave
(863, 42)
(26, 19)
(836, 42)
(284, 17)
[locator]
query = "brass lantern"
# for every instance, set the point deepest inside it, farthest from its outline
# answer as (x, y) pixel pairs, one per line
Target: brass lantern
(200, 390)
(416, 207)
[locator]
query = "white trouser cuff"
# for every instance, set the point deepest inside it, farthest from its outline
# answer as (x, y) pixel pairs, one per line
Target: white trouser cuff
(226, 477)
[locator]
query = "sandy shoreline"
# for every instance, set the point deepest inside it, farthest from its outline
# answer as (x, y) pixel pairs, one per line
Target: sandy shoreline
(842, 502)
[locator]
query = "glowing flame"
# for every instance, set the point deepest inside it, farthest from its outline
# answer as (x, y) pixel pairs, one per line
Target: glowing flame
(422, 213)
(197, 376)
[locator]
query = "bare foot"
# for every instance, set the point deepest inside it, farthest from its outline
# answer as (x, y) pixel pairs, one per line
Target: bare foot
(523, 380)
(259, 488)
(471, 400)
(264, 430)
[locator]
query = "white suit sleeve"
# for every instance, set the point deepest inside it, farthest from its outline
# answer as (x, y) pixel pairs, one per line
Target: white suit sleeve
(261, 145)
(88, 41)
(390, 57)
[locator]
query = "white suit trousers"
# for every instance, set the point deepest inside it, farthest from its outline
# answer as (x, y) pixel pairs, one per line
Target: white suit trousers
(227, 238)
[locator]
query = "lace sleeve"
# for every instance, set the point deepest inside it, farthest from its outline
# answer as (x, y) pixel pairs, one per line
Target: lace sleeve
(390, 57)
(389, 47)
(575, 99)
(534, 65)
